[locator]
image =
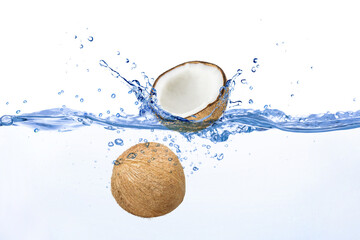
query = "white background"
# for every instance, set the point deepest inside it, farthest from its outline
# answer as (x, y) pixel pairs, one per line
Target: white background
(271, 185)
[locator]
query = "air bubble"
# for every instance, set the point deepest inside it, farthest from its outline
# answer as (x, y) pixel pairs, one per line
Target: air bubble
(99, 89)
(220, 157)
(132, 155)
(90, 38)
(251, 101)
(18, 111)
(81, 100)
(255, 60)
(195, 168)
(110, 144)
(243, 81)
(36, 130)
(81, 46)
(253, 69)
(113, 95)
(116, 162)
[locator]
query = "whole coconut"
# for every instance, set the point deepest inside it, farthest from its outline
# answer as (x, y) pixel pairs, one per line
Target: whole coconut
(148, 180)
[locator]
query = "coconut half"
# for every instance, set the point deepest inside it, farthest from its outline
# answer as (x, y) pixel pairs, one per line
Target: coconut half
(194, 91)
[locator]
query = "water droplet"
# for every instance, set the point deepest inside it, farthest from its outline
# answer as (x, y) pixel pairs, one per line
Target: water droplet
(119, 141)
(292, 95)
(113, 95)
(251, 101)
(25, 101)
(117, 115)
(100, 114)
(110, 144)
(251, 87)
(132, 155)
(195, 168)
(81, 100)
(136, 102)
(239, 71)
(81, 46)
(220, 157)
(99, 89)
(75, 37)
(243, 81)
(266, 107)
(255, 60)
(7, 103)
(118, 53)
(90, 38)
(6, 120)
(76, 96)
(36, 130)
(133, 66)
(127, 60)
(354, 99)
(253, 69)
(18, 111)
(108, 111)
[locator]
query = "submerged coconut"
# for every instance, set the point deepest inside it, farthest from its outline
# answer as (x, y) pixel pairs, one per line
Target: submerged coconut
(195, 91)
(148, 180)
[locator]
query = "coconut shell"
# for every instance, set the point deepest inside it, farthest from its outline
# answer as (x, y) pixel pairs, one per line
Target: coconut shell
(211, 113)
(148, 180)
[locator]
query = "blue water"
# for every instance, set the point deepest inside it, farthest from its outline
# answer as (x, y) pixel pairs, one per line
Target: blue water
(235, 119)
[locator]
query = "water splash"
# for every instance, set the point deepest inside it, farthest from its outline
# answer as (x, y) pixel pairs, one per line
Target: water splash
(234, 120)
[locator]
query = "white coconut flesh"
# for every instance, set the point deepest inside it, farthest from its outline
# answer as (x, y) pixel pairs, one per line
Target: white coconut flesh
(189, 88)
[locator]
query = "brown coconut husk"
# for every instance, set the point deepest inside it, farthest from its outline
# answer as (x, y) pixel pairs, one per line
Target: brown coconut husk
(204, 118)
(148, 180)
